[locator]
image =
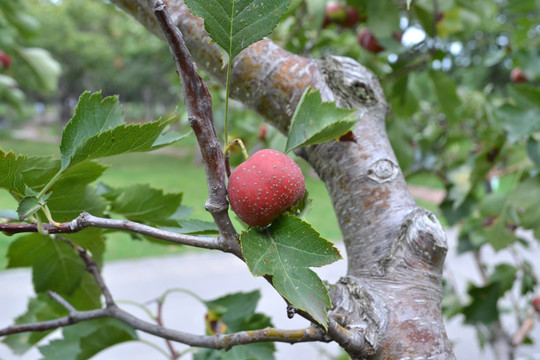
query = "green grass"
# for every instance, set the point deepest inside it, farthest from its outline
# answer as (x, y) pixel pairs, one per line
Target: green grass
(176, 172)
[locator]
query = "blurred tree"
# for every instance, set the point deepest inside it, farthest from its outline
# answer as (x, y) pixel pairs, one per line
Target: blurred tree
(102, 48)
(22, 68)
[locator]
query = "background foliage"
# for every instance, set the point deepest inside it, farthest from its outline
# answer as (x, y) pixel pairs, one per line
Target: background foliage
(459, 122)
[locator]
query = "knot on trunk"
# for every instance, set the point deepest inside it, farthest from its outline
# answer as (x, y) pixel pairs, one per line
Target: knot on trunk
(360, 310)
(420, 245)
(382, 171)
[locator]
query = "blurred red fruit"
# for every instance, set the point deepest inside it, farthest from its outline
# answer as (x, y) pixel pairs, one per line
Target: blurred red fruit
(352, 18)
(369, 42)
(5, 59)
(536, 304)
(335, 13)
(517, 76)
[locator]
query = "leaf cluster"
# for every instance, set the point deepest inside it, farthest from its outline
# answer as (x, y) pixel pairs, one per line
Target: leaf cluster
(49, 188)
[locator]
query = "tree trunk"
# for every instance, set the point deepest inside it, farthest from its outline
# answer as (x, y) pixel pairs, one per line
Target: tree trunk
(391, 294)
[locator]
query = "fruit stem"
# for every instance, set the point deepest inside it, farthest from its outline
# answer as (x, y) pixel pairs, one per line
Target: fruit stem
(242, 147)
(49, 184)
(48, 215)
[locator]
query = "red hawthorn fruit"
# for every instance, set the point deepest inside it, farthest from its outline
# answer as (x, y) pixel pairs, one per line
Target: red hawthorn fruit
(517, 76)
(536, 304)
(5, 59)
(264, 186)
(335, 13)
(352, 18)
(369, 42)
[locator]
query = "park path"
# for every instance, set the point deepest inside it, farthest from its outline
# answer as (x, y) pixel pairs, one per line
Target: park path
(211, 275)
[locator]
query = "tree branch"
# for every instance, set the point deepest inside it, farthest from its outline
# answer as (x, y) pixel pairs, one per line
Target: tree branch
(86, 220)
(71, 319)
(199, 108)
(212, 342)
(112, 310)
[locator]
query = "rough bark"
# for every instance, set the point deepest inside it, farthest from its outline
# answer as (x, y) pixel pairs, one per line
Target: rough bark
(392, 291)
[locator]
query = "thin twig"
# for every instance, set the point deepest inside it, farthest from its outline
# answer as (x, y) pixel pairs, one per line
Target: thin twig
(71, 319)
(214, 342)
(86, 220)
(93, 268)
(159, 320)
(526, 326)
(199, 108)
(53, 295)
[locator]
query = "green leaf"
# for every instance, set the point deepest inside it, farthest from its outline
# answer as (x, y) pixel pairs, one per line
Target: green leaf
(55, 265)
(526, 95)
(81, 174)
(520, 118)
(237, 312)
(235, 309)
(285, 251)
(460, 178)
(70, 194)
(533, 150)
(424, 17)
(84, 340)
(92, 116)
(382, 17)
(483, 306)
(528, 280)
(257, 351)
(69, 203)
(40, 308)
(315, 122)
(504, 275)
(98, 130)
(38, 170)
(121, 139)
(194, 227)
(45, 69)
(518, 121)
(144, 204)
(498, 234)
(525, 199)
(446, 92)
(10, 93)
(236, 24)
(11, 175)
(28, 206)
